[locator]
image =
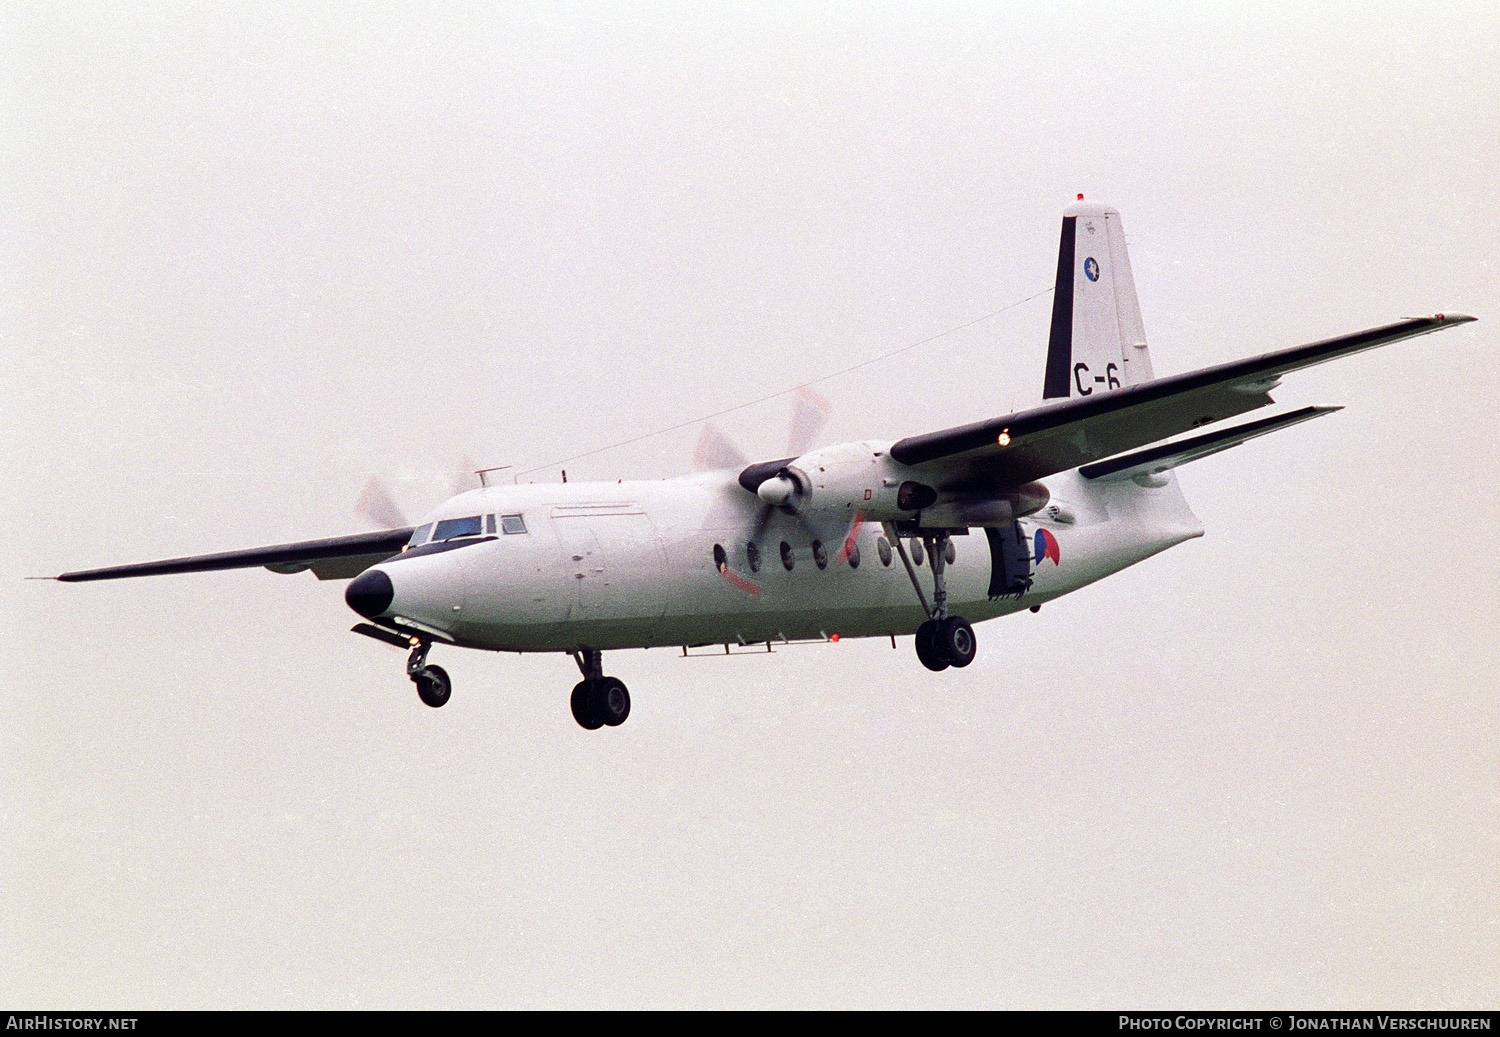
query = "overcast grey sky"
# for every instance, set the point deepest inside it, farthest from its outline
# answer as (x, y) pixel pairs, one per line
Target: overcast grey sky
(253, 258)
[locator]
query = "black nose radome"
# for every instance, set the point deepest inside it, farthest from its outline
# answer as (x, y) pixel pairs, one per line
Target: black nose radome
(370, 594)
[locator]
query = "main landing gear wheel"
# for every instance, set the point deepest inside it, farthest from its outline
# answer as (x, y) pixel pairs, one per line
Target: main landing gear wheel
(942, 643)
(943, 640)
(583, 706)
(611, 701)
(954, 639)
(927, 649)
(598, 700)
(601, 702)
(433, 685)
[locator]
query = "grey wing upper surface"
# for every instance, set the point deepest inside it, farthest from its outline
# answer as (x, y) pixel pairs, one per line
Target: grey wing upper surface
(1017, 448)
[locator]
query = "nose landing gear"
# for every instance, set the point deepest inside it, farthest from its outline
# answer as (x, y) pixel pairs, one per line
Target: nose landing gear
(598, 701)
(433, 685)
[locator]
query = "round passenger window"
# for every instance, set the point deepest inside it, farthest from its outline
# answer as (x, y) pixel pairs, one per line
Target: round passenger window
(820, 554)
(883, 548)
(854, 556)
(786, 556)
(721, 561)
(752, 555)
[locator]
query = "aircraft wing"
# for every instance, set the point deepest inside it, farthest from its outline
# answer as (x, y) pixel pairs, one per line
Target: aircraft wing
(1056, 437)
(336, 558)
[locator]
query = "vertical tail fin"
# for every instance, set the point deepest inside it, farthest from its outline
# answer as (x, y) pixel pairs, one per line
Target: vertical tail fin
(1098, 343)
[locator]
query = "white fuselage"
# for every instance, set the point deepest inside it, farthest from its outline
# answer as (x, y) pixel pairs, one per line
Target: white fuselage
(633, 565)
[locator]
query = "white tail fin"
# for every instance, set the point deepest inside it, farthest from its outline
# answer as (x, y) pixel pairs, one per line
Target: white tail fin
(1098, 342)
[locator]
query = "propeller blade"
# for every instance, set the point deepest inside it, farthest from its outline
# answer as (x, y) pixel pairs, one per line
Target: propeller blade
(464, 478)
(376, 505)
(809, 415)
(716, 451)
(762, 520)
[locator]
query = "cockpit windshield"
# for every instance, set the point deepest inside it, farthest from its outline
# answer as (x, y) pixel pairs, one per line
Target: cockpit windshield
(419, 535)
(452, 529)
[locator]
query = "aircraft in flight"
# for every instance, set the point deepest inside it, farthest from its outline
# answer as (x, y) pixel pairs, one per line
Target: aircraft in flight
(925, 535)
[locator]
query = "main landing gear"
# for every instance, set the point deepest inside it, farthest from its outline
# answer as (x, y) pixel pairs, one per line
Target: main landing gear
(943, 640)
(433, 686)
(598, 701)
(942, 643)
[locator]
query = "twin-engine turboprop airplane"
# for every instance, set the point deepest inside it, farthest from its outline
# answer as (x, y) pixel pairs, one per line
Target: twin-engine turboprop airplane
(1004, 515)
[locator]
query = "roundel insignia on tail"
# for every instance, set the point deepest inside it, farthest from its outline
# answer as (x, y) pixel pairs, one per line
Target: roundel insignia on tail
(1091, 268)
(1046, 547)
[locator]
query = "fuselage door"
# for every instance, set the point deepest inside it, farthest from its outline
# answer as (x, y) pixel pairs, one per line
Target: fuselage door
(613, 556)
(584, 558)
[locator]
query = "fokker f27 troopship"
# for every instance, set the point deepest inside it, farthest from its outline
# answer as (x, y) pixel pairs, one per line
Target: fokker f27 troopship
(852, 540)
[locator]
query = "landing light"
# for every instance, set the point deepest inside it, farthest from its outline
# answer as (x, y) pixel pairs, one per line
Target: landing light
(415, 641)
(1004, 437)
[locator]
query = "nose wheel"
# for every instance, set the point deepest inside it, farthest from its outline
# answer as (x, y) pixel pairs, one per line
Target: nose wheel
(433, 685)
(598, 701)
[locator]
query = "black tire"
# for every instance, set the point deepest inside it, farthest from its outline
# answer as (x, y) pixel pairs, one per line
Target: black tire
(927, 649)
(433, 686)
(611, 701)
(955, 640)
(583, 706)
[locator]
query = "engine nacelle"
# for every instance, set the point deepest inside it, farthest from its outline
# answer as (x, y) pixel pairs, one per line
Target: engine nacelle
(843, 479)
(852, 478)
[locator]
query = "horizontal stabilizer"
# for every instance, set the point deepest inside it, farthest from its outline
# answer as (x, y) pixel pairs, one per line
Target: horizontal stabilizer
(283, 557)
(1157, 459)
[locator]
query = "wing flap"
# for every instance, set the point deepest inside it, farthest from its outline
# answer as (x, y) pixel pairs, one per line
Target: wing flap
(1059, 436)
(1163, 457)
(334, 554)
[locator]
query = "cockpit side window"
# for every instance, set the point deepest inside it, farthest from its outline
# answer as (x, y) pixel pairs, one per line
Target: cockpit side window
(512, 523)
(419, 535)
(451, 529)
(489, 524)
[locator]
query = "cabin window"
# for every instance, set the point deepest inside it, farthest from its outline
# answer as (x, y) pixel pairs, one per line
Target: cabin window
(451, 529)
(787, 558)
(916, 551)
(820, 554)
(419, 535)
(489, 524)
(721, 560)
(512, 524)
(854, 556)
(883, 548)
(950, 554)
(752, 555)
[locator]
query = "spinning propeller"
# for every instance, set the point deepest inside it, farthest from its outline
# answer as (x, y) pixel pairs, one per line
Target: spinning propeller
(377, 504)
